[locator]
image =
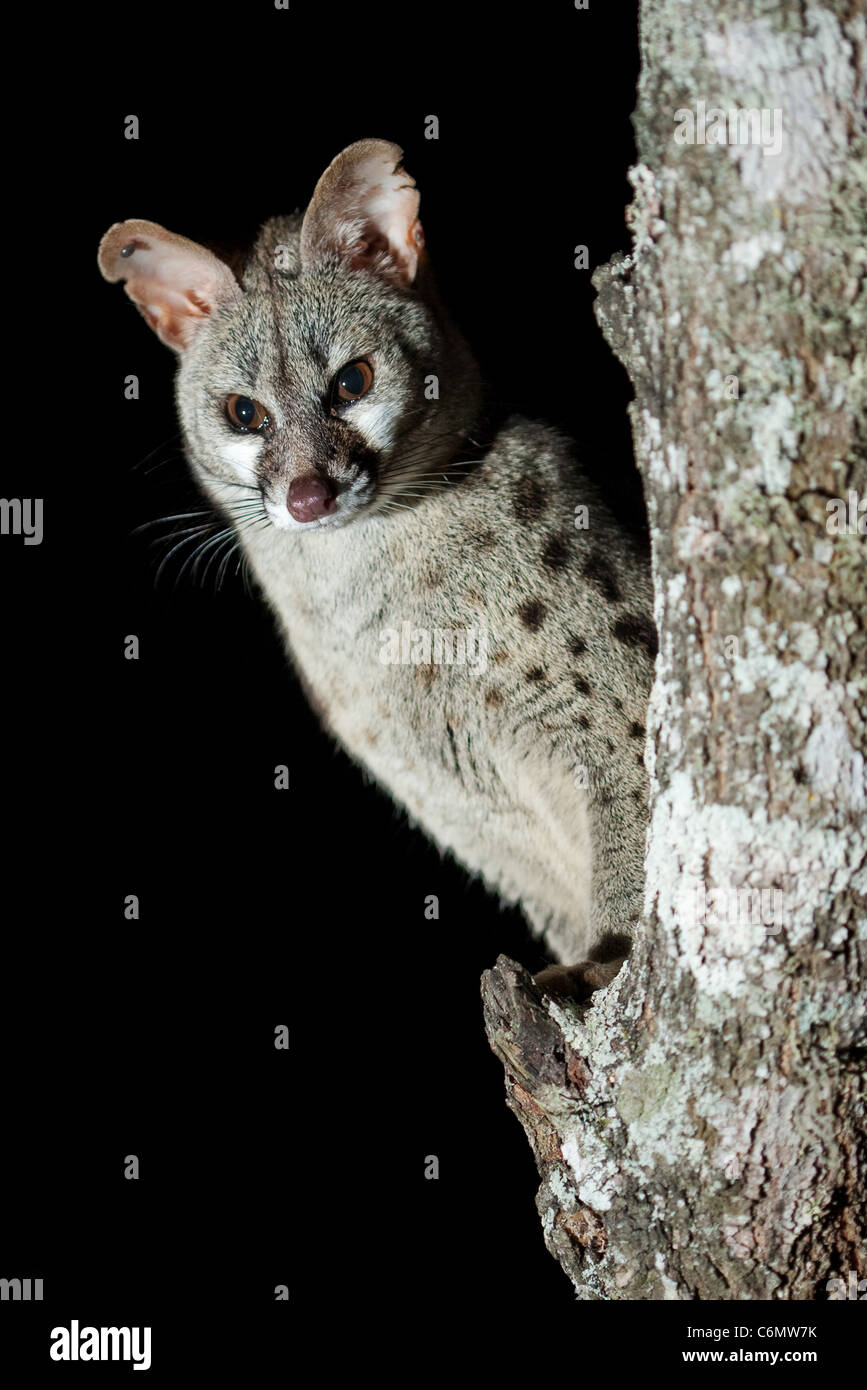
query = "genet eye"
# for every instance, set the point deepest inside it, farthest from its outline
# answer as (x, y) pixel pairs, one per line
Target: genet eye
(353, 381)
(246, 415)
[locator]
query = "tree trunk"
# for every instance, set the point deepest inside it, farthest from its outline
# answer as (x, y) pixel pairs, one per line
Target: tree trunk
(699, 1129)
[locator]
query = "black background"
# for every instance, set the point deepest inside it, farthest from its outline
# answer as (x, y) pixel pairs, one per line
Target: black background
(155, 777)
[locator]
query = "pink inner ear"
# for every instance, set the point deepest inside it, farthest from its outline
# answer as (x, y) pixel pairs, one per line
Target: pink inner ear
(170, 309)
(389, 207)
(159, 294)
(364, 208)
(174, 282)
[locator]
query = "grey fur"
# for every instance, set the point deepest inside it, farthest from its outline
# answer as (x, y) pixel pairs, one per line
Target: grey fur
(489, 763)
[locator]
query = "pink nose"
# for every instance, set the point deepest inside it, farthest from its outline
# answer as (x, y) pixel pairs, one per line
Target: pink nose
(310, 498)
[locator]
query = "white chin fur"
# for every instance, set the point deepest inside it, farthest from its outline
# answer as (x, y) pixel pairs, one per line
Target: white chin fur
(282, 520)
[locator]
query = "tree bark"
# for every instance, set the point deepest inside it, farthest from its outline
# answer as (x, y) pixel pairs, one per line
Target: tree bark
(699, 1128)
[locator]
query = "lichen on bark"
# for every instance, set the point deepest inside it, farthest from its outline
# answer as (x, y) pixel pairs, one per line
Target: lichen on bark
(699, 1128)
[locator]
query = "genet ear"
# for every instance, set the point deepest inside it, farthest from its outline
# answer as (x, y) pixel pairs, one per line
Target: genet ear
(174, 282)
(365, 210)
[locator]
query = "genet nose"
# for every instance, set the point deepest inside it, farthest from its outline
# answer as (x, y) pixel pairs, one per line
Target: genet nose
(310, 497)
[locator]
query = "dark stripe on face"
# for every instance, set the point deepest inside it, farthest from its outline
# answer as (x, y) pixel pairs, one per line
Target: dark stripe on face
(357, 454)
(242, 344)
(417, 359)
(281, 338)
(316, 350)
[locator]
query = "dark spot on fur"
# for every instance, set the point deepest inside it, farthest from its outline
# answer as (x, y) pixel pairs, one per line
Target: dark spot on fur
(581, 685)
(637, 730)
(584, 721)
(639, 760)
(610, 744)
(493, 696)
(499, 657)
(597, 568)
(577, 646)
(532, 614)
(485, 539)
(426, 674)
(530, 500)
(800, 776)
(535, 673)
(618, 704)
(556, 553)
(638, 796)
(636, 630)
(433, 577)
